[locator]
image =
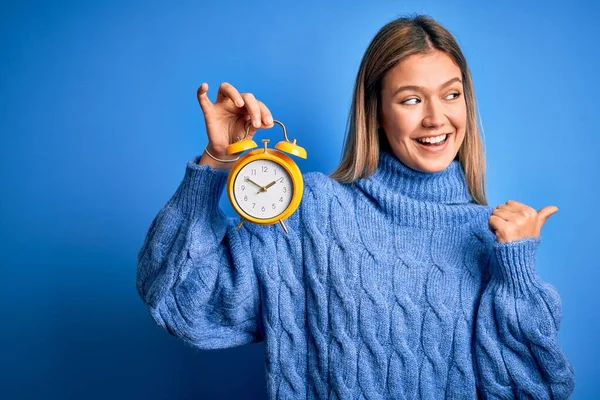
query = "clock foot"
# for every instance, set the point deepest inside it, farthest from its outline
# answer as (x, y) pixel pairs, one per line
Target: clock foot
(240, 224)
(284, 227)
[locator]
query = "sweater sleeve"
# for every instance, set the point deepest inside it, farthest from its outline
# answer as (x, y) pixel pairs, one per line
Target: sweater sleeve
(517, 348)
(195, 272)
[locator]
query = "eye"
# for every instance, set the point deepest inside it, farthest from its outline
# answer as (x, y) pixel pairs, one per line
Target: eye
(456, 96)
(407, 100)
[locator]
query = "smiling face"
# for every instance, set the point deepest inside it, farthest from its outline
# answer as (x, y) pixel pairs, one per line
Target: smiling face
(422, 97)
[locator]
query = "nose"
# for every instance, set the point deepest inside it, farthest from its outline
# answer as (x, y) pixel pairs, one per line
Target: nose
(434, 115)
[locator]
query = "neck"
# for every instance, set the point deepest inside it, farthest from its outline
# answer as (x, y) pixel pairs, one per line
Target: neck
(418, 198)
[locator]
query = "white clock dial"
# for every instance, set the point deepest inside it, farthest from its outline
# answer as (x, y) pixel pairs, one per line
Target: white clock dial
(263, 204)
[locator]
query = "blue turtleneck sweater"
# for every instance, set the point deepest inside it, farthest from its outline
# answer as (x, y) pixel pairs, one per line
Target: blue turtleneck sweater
(392, 287)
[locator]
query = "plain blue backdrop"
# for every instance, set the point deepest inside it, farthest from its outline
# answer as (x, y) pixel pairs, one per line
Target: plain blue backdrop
(98, 116)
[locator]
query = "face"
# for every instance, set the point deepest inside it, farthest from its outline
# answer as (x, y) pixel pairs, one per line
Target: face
(422, 97)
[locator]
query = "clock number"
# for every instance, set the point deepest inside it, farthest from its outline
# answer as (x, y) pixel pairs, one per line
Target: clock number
(253, 204)
(273, 206)
(263, 208)
(245, 198)
(243, 187)
(284, 189)
(253, 172)
(281, 179)
(264, 168)
(281, 199)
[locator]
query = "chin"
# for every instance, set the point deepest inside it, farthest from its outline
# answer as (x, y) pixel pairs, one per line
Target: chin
(428, 162)
(431, 166)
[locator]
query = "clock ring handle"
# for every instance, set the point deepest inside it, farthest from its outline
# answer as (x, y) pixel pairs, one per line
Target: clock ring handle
(249, 123)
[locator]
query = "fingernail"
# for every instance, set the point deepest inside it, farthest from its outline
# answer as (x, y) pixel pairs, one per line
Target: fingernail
(269, 120)
(256, 123)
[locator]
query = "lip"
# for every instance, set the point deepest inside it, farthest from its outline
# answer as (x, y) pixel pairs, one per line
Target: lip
(434, 149)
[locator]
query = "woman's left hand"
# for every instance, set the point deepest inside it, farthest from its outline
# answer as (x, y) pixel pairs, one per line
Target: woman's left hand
(514, 221)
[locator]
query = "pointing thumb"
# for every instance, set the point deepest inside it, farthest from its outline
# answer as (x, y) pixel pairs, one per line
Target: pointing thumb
(546, 212)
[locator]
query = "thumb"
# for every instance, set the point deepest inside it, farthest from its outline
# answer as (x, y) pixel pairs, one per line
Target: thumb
(203, 99)
(545, 213)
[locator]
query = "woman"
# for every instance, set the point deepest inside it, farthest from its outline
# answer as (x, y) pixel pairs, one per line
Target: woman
(396, 279)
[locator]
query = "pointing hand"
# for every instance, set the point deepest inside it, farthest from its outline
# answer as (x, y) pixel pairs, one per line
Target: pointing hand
(513, 221)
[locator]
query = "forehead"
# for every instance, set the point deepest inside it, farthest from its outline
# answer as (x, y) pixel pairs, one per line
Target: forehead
(427, 70)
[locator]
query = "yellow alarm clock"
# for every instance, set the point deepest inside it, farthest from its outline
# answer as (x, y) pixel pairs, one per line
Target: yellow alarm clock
(265, 185)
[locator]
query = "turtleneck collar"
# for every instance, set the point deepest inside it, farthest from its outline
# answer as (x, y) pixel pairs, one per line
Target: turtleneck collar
(418, 198)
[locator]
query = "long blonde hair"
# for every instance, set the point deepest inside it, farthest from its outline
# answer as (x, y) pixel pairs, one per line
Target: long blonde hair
(398, 39)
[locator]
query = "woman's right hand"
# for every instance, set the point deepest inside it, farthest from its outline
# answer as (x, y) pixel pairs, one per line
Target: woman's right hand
(226, 118)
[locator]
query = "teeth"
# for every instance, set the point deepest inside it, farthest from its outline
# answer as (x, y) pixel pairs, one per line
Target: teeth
(436, 139)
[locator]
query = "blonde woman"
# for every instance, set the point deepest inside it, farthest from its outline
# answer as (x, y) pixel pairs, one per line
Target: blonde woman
(396, 279)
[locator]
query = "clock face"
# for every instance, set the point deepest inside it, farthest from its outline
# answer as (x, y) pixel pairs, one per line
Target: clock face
(263, 203)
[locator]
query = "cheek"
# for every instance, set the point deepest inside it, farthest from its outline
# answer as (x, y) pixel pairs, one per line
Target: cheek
(403, 122)
(459, 115)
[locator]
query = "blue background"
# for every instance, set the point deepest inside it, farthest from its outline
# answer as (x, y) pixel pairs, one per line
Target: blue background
(98, 116)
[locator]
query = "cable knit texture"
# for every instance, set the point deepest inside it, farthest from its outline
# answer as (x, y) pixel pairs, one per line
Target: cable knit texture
(392, 287)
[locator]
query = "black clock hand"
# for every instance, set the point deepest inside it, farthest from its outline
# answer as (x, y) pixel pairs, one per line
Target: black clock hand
(271, 184)
(262, 188)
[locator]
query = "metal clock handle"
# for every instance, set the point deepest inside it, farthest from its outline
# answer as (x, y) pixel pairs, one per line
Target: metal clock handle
(248, 124)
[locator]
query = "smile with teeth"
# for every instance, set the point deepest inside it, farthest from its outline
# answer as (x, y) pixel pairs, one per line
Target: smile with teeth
(433, 141)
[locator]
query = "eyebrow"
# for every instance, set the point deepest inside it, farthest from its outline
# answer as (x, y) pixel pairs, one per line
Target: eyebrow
(421, 88)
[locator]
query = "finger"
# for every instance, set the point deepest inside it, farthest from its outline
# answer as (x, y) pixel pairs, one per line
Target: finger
(253, 108)
(506, 215)
(203, 99)
(516, 204)
(518, 211)
(249, 127)
(496, 223)
(546, 212)
(267, 117)
(521, 208)
(510, 208)
(227, 91)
